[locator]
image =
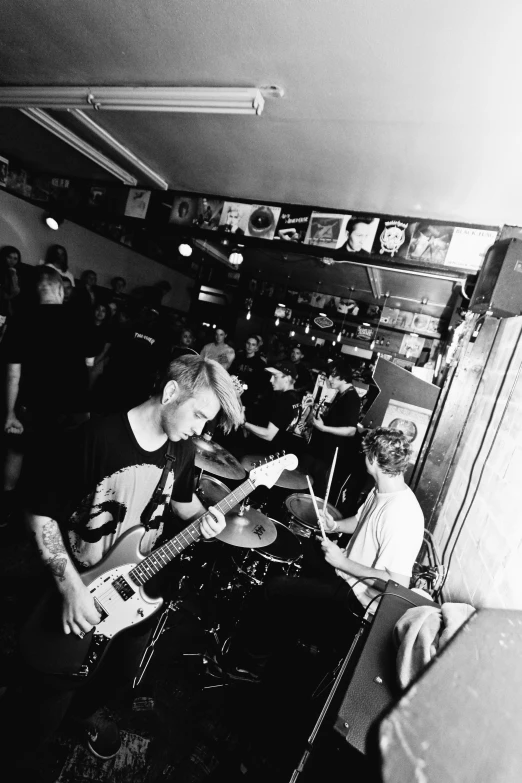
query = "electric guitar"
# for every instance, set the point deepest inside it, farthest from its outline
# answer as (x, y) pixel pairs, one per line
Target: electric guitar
(116, 584)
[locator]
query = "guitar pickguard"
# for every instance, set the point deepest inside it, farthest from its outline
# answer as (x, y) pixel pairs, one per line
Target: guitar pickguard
(120, 602)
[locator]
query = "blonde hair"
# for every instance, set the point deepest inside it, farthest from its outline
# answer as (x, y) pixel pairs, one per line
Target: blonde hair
(195, 374)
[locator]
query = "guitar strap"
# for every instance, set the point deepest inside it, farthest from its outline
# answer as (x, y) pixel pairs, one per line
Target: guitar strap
(158, 498)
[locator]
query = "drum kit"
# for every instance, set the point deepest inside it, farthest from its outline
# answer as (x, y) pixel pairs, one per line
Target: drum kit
(245, 560)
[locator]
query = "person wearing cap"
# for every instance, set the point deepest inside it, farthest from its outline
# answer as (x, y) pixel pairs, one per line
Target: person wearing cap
(304, 380)
(337, 428)
(282, 410)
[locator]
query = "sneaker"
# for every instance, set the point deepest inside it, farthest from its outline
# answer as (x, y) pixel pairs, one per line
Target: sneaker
(103, 736)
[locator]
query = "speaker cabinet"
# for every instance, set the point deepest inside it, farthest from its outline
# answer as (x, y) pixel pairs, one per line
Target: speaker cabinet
(499, 285)
(373, 686)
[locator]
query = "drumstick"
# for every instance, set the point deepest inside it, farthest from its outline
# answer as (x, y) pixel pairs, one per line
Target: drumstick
(332, 469)
(314, 501)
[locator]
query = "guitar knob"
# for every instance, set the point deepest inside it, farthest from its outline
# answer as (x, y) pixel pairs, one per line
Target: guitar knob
(140, 612)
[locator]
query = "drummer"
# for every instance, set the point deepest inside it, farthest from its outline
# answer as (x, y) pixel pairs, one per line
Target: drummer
(387, 534)
(282, 411)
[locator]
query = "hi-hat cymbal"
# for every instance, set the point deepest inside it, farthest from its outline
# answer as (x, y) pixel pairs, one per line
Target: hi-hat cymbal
(213, 458)
(289, 479)
(252, 529)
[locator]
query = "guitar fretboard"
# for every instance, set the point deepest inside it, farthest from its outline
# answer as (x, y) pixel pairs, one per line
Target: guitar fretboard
(153, 564)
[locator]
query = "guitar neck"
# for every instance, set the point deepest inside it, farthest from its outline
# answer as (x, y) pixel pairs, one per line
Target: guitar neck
(162, 556)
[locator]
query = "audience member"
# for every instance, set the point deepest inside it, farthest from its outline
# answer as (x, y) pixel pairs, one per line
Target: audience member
(48, 350)
(248, 367)
(219, 350)
(57, 258)
(304, 381)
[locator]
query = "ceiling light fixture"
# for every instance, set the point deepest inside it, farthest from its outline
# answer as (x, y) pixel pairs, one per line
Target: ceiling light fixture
(66, 135)
(236, 258)
(54, 220)
(184, 249)
(116, 146)
(206, 100)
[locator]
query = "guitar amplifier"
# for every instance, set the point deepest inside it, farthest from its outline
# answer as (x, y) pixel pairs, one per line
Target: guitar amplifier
(373, 685)
(499, 285)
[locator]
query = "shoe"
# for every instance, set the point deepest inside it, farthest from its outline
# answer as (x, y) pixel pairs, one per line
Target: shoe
(103, 736)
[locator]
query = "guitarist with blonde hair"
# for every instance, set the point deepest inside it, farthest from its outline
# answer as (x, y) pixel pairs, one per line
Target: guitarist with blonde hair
(119, 472)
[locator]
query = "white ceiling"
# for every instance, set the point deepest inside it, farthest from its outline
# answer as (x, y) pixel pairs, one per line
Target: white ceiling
(409, 107)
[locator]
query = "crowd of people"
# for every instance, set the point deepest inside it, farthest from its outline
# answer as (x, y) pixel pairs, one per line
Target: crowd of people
(102, 399)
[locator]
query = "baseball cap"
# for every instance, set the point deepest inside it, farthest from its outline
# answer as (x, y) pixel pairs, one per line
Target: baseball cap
(286, 368)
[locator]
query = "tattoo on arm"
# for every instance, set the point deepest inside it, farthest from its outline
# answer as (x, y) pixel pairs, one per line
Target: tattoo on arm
(53, 543)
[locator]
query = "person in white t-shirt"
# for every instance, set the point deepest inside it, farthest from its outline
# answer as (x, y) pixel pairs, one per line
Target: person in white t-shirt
(388, 528)
(219, 350)
(387, 534)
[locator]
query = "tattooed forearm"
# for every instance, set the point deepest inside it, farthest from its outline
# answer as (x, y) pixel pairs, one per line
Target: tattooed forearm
(52, 538)
(52, 549)
(57, 566)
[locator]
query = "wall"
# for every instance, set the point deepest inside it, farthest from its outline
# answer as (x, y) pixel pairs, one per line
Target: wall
(22, 225)
(479, 527)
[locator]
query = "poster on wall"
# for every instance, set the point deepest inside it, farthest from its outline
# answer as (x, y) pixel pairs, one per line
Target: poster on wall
(326, 229)
(411, 346)
(234, 217)
(137, 203)
(262, 221)
(390, 236)
(208, 213)
(183, 210)
(427, 243)
(409, 419)
(4, 168)
(293, 224)
(359, 236)
(469, 246)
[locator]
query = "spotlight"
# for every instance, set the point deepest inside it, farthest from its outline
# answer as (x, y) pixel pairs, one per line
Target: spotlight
(236, 258)
(248, 315)
(184, 249)
(54, 220)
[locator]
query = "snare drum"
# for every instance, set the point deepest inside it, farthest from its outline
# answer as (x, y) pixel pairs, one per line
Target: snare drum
(301, 517)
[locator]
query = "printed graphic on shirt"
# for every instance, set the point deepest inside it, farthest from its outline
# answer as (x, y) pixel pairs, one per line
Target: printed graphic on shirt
(115, 506)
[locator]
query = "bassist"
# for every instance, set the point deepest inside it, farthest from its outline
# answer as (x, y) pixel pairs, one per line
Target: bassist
(80, 506)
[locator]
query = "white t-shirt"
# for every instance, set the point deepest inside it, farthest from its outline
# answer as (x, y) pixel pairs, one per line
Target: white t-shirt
(223, 353)
(388, 537)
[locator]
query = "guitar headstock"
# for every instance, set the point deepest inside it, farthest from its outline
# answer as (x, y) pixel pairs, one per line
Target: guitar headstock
(268, 471)
(239, 386)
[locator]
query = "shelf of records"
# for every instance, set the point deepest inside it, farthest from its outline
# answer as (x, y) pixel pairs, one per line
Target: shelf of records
(404, 348)
(359, 321)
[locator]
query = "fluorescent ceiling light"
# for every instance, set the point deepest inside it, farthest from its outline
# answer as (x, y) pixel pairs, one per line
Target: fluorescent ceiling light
(125, 152)
(63, 133)
(212, 100)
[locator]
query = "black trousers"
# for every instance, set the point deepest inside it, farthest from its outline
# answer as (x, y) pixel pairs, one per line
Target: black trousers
(35, 704)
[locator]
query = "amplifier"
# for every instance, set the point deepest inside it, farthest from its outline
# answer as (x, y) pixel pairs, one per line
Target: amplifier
(373, 685)
(499, 285)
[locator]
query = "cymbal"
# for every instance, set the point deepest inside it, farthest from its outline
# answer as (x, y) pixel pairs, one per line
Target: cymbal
(251, 529)
(289, 479)
(213, 458)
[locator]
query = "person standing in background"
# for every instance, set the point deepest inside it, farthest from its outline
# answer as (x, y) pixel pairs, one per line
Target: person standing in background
(57, 258)
(219, 350)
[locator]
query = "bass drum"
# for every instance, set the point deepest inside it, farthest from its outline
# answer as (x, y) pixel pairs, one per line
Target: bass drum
(235, 573)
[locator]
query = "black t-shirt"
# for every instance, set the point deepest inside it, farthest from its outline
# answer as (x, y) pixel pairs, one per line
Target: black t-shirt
(51, 343)
(98, 487)
(250, 370)
(282, 411)
(343, 412)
